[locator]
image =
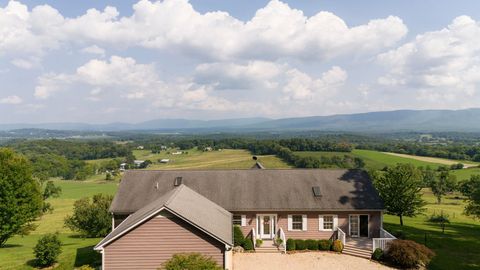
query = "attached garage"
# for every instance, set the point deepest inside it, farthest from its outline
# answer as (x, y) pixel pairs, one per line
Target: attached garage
(179, 222)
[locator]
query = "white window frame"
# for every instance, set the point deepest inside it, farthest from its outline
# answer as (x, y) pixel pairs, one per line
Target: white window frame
(243, 220)
(334, 225)
(304, 222)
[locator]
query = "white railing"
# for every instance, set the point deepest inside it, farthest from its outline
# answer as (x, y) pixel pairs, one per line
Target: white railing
(382, 242)
(341, 236)
(254, 239)
(284, 240)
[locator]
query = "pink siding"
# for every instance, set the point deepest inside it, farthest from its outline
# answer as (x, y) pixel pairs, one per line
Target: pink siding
(313, 231)
(155, 241)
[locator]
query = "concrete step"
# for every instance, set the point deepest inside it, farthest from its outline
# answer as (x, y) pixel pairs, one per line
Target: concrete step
(357, 252)
(267, 249)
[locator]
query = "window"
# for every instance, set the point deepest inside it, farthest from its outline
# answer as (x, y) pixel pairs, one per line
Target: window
(237, 220)
(328, 223)
(297, 222)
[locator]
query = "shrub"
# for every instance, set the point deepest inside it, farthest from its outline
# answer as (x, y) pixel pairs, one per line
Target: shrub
(278, 241)
(258, 242)
(91, 217)
(238, 237)
(311, 244)
(300, 244)
(248, 244)
(290, 244)
(337, 246)
(85, 267)
(407, 253)
(47, 249)
(190, 261)
(377, 255)
(324, 244)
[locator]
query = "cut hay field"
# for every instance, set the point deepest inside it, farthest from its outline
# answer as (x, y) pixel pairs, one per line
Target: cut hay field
(466, 164)
(196, 159)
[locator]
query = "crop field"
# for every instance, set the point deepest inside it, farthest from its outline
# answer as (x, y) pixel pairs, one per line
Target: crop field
(195, 159)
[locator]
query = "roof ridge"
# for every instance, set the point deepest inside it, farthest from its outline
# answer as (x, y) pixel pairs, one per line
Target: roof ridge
(175, 193)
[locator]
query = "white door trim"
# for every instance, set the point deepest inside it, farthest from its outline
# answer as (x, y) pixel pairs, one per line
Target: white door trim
(273, 226)
(358, 225)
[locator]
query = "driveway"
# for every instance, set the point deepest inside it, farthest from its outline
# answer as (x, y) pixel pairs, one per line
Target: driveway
(301, 261)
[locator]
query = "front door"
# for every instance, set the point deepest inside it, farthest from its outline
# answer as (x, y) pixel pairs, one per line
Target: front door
(358, 225)
(266, 226)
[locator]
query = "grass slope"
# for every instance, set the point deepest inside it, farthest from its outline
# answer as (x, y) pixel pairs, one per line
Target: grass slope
(458, 248)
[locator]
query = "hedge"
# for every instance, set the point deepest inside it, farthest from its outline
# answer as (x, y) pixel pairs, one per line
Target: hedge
(300, 244)
(311, 244)
(291, 244)
(324, 244)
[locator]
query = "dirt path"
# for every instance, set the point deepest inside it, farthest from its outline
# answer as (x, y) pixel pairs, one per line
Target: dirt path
(302, 261)
(434, 160)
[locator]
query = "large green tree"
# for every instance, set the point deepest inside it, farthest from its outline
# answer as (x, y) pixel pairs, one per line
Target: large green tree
(21, 200)
(442, 184)
(400, 188)
(471, 189)
(91, 217)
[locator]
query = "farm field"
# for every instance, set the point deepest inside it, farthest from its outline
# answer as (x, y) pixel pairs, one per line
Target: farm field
(466, 164)
(373, 159)
(196, 159)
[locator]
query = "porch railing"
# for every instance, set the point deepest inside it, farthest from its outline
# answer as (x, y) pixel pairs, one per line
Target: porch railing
(283, 245)
(382, 242)
(254, 238)
(341, 236)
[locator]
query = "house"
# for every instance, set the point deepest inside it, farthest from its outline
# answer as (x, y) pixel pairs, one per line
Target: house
(123, 166)
(177, 153)
(164, 160)
(138, 163)
(140, 147)
(159, 213)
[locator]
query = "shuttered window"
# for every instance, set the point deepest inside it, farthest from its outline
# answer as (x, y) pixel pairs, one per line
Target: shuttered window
(297, 222)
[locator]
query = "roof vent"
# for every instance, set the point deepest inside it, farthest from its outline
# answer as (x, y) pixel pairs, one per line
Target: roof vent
(178, 181)
(316, 191)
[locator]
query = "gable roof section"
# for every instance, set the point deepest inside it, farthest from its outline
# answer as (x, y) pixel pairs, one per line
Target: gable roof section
(186, 204)
(254, 190)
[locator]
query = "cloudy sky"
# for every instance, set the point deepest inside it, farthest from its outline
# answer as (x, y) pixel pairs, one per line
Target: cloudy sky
(104, 61)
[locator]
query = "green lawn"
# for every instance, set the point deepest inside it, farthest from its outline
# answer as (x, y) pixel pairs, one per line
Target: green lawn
(458, 248)
(76, 251)
(373, 159)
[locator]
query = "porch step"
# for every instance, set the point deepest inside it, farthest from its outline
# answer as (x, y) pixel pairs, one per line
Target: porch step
(267, 247)
(357, 252)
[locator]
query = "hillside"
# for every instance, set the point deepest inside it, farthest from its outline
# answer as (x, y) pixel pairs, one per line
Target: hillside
(467, 120)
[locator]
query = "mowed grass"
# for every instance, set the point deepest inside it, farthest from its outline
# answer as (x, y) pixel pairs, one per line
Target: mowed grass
(458, 248)
(77, 251)
(373, 159)
(196, 159)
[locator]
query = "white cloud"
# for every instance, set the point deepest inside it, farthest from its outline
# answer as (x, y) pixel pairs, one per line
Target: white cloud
(94, 49)
(275, 31)
(11, 100)
(442, 64)
(23, 64)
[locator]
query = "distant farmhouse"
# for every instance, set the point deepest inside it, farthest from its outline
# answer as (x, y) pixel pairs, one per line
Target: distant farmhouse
(157, 214)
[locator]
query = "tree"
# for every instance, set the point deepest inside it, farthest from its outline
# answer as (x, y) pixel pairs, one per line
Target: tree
(47, 249)
(20, 196)
(400, 189)
(50, 190)
(91, 218)
(471, 189)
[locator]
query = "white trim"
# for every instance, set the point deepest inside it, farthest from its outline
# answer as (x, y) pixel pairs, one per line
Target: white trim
(273, 226)
(289, 226)
(127, 230)
(304, 223)
(103, 258)
(334, 220)
(368, 225)
(244, 220)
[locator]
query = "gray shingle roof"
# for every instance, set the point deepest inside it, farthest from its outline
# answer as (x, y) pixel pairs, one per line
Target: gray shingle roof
(254, 190)
(186, 204)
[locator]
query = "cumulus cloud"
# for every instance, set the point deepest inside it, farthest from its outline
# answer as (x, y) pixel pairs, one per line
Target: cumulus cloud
(441, 65)
(11, 100)
(94, 49)
(275, 31)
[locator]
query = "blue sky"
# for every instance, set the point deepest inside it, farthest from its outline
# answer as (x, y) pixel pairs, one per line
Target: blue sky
(107, 61)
